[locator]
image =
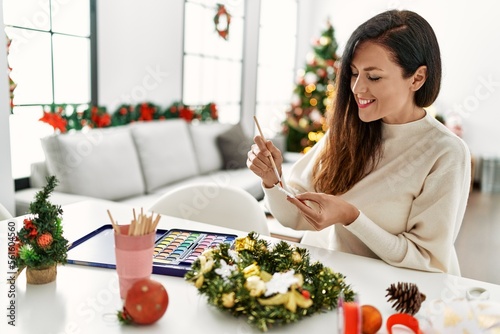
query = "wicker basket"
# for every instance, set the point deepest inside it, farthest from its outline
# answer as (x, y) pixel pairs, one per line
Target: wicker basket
(41, 275)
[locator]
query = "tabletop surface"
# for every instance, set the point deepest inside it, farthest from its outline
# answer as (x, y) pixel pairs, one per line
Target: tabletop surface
(86, 299)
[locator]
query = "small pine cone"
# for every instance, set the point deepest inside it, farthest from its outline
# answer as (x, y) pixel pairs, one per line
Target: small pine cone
(45, 240)
(406, 297)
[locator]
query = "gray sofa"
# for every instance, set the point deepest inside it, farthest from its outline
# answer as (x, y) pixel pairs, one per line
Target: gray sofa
(137, 163)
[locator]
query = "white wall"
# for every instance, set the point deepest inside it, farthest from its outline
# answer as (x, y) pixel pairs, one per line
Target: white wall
(139, 38)
(250, 62)
(6, 182)
(140, 51)
(136, 38)
(469, 35)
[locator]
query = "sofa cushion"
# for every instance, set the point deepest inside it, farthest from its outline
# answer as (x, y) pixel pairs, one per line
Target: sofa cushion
(165, 151)
(234, 145)
(206, 150)
(39, 173)
(101, 163)
(26, 196)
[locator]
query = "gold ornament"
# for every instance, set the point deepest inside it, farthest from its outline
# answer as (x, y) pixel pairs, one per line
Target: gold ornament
(228, 299)
(296, 257)
(244, 244)
(251, 270)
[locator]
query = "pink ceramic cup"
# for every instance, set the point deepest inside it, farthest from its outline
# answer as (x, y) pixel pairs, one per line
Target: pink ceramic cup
(134, 258)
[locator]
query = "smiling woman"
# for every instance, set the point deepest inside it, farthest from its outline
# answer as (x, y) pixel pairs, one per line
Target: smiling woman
(380, 89)
(390, 179)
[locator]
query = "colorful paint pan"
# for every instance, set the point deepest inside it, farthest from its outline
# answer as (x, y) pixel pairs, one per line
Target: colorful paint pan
(176, 250)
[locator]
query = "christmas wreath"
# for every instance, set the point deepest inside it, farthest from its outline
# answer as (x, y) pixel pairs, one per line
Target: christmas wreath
(268, 285)
(221, 25)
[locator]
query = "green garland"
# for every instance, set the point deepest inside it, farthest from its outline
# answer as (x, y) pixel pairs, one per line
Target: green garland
(249, 281)
(66, 117)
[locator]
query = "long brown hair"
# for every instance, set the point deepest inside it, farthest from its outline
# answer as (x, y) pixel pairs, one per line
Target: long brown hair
(353, 147)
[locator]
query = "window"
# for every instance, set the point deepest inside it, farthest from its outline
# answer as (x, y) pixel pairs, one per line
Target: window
(276, 64)
(50, 57)
(213, 65)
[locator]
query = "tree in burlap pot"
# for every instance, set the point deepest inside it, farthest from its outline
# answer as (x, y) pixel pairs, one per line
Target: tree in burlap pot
(40, 245)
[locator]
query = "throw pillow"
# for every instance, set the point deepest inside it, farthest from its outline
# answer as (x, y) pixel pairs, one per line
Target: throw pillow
(101, 163)
(234, 146)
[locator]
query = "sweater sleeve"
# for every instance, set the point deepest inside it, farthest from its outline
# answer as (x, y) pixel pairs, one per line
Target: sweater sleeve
(298, 181)
(433, 224)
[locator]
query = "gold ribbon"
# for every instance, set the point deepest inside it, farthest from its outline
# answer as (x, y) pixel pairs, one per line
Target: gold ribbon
(251, 270)
(290, 300)
(205, 267)
(244, 244)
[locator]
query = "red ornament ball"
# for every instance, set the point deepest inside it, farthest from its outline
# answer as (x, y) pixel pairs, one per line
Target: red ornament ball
(45, 240)
(146, 301)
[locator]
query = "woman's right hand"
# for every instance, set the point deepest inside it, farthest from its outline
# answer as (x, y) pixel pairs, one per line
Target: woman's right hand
(258, 161)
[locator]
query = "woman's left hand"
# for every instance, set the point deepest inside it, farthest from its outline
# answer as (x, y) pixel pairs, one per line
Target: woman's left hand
(326, 210)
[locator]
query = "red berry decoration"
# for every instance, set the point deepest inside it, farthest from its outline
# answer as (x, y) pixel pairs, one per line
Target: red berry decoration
(45, 240)
(306, 294)
(146, 301)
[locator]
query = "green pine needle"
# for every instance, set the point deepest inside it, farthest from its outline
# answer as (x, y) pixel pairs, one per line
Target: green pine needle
(322, 283)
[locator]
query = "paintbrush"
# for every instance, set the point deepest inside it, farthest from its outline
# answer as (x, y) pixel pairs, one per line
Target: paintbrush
(270, 157)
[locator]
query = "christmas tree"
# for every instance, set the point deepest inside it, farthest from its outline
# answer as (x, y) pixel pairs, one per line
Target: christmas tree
(313, 94)
(40, 242)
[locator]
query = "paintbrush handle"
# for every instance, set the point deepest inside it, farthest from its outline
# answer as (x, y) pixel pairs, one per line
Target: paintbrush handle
(270, 157)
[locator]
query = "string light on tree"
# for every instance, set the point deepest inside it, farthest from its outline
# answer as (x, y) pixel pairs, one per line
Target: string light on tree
(313, 94)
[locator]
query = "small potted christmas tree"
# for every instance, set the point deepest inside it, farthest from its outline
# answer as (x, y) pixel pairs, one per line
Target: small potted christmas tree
(40, 244)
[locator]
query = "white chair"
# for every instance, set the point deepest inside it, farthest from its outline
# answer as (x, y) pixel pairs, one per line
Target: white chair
(4, 214)
(225, 206)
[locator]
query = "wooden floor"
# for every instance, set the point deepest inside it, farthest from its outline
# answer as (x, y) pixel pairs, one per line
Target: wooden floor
(478, 243)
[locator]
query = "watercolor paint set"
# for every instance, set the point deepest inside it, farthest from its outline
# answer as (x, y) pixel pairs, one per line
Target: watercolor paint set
(174, 250)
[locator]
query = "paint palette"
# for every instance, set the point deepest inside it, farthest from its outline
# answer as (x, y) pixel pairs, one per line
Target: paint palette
(174, 252)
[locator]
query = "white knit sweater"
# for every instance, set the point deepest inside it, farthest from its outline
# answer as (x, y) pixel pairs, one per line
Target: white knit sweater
(412, 204)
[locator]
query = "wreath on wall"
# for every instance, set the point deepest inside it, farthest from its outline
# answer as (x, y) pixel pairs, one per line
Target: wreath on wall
(222, 19)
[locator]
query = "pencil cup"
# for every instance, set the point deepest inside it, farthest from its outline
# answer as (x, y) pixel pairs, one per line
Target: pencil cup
(134, 257)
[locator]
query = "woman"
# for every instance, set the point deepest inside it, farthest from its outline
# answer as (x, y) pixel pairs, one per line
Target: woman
(391, 179)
